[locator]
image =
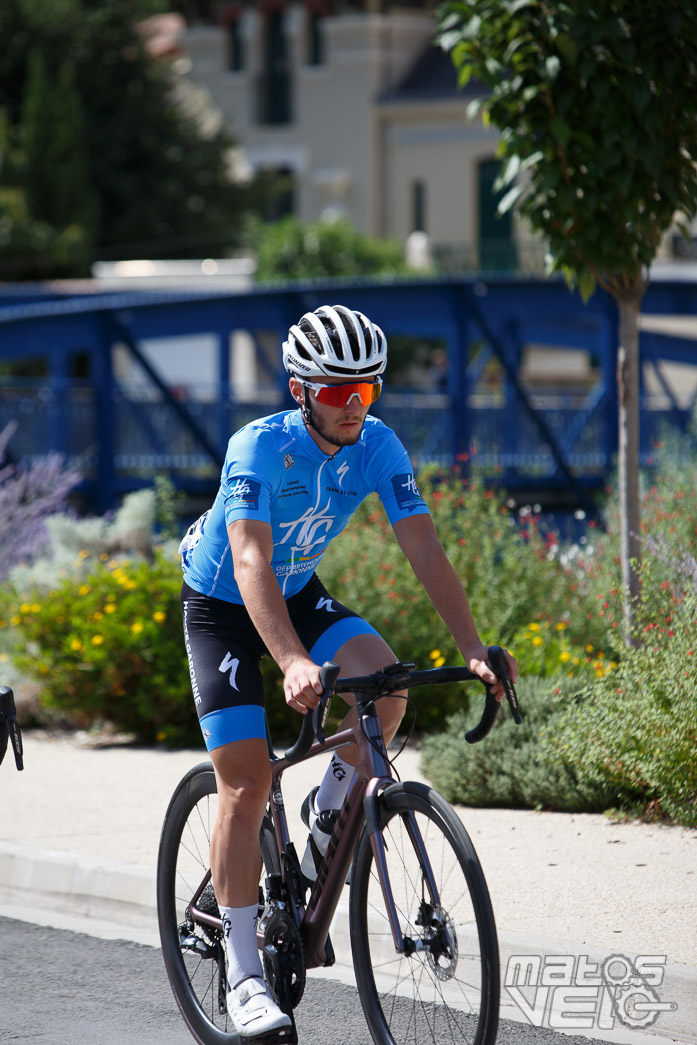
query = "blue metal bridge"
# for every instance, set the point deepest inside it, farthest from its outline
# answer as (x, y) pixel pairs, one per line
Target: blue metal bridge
(556, 444)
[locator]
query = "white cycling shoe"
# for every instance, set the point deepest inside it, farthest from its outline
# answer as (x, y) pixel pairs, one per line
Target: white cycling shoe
(253, 1010)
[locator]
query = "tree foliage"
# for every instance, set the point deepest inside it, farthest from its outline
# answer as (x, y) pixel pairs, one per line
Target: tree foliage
(103, 154)
(597, 107)
(596, 101)
(292, 249)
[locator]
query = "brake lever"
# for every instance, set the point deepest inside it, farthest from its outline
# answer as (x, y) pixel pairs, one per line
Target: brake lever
(499, 666)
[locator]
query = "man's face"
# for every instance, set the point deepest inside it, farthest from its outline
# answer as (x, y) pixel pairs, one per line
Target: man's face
(335, 425)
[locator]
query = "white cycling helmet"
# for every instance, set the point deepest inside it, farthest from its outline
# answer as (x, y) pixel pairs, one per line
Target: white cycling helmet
(334, 341)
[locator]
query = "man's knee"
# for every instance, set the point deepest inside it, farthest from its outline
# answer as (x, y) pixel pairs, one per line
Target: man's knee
(243, 776)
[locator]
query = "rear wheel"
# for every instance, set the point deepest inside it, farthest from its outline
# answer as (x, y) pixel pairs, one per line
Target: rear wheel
(194, 954)
(444, 986)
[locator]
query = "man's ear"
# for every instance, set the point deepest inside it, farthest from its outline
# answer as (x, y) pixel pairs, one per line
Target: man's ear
(296, 390)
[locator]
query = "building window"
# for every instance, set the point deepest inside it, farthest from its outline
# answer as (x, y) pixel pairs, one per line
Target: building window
(315, 38)
(418, 206)
(235, 46)
(274, 86)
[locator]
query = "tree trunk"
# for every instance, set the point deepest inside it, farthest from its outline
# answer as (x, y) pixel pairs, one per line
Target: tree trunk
(628, 455)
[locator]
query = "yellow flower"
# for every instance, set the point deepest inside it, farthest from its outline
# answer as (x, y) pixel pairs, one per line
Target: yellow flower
(561, 625)
(76, 644)
(534, 626)
(564, 656)
(98, 615)
(16, 619)
(159, 616)
(3, 623)
(110, 607)
(537, 641)
(161, 736)
(104, 557)
(97, 640)
(35, 607)
(137, 626)
(589, 648)
(83, 589)
(439, 663)
(4, 658)
(435, 654)
(83, 554)
(25, 608)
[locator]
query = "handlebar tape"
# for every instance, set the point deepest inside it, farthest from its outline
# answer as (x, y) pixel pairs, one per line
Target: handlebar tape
(497, 663)
(9, 727)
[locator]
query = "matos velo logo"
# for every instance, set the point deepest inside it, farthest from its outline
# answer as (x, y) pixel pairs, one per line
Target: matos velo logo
(572, 992)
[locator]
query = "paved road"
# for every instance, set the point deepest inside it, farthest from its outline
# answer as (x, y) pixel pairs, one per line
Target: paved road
(64, 988)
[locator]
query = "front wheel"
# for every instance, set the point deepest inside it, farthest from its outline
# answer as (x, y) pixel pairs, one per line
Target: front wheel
(444, 985)
(194, 954)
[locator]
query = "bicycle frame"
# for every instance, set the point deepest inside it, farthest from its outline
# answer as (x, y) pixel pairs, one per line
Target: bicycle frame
(373, 774)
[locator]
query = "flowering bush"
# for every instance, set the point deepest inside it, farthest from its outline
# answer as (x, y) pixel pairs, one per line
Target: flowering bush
(109, 647)
(636, 725)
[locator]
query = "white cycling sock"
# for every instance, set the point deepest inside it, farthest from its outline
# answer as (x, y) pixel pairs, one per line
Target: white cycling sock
(240, 931)
(335, 784)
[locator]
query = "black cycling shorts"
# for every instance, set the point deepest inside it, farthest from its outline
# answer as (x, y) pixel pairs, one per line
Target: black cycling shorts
(224, 651)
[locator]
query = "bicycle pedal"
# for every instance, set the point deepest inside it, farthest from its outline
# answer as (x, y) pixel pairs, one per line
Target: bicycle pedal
(284, 1036)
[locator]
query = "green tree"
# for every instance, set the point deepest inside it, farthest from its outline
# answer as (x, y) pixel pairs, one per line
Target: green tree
(596, 101)
(107, 140)
(292, 249)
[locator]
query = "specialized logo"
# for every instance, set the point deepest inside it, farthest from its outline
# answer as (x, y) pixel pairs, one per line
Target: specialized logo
(310, 529)
(341, 472)
(325, 604)
(244, 493)
(230, 664)
(407, 492)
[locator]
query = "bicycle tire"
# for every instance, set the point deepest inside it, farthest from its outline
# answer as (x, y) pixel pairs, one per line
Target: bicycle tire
(182, 863)
(449, 988)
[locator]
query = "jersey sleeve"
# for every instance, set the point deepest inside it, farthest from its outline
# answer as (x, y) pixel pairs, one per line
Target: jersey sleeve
(249, 476)
(395, 483)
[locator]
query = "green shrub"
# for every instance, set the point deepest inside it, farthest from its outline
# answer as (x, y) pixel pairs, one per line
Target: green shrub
(110, 648)
(513, 582)
(636, 726)
(513, 766)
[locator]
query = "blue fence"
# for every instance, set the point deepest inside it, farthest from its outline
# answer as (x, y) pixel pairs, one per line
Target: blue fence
(555, 443)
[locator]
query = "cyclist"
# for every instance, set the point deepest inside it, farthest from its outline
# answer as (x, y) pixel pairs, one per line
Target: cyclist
(289, 485)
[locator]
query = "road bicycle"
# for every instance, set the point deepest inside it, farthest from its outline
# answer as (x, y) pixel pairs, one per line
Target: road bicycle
(422, 930)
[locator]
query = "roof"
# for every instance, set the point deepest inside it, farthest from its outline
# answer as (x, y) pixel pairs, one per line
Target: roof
(432, 75)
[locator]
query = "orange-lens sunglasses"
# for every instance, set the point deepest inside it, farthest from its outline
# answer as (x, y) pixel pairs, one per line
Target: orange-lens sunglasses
(341, 395)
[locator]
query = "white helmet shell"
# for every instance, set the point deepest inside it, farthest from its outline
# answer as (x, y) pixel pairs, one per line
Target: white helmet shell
(342, 343)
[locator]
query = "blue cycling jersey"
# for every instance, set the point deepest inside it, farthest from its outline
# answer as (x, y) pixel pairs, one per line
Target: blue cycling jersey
(275, 472)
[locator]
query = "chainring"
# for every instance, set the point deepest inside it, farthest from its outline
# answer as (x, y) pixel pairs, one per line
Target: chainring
(282, 934)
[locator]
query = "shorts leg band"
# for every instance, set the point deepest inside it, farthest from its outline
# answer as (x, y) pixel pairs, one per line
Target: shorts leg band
(336, 635)
(246, 722)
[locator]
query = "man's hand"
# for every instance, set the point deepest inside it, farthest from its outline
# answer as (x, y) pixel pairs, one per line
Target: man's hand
(476, 661)
(302, 686)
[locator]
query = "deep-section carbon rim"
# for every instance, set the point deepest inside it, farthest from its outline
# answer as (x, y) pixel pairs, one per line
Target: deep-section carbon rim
(444, 987)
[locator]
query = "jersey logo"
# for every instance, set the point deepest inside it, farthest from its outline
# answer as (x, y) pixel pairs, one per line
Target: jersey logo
(310, 529)
(230, 664)
(288, 461)
(341, 472)
(406, 492)
(325, 604)
(244, 493)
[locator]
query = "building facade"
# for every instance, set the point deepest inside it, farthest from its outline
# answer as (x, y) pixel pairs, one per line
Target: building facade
(360, 111)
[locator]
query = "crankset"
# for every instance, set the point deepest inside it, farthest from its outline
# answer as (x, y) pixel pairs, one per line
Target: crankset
(284, 963)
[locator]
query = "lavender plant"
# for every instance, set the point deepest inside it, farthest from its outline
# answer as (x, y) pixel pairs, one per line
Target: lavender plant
(29, 494)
